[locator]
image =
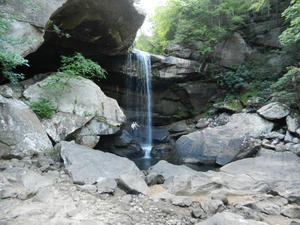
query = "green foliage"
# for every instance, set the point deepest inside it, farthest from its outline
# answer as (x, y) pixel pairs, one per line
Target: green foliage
(144, 43)
(292, 34)
(205, 20)
(79, 66)
(33, 6)
(44, 108)
(57, 30)
(237, 80)
(58, 81)
(9, 60)
(260, 5)
(247, 95)
(288, 86)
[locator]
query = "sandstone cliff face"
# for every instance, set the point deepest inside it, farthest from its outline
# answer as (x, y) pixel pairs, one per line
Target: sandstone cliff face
(98, 27)
(28, 20)
(106, 27)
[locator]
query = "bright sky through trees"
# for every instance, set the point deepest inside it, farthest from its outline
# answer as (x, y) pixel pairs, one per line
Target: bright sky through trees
(149, 6)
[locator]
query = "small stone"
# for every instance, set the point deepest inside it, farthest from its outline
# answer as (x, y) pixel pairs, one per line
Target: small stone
(273, 135)
(292, 123)
(280, 147)
(288, 137)
(154, 178)
(223, 198)
(296, 140)
(267, 144)
(73, 213)
(88, 188)
(294, 223)
(181, 201)
(202, 123)
(133, 184)
(296, 149)
(291, 211)
(289, 146)
(275, 141)
(6, 91)
(211, 207)
(198, 213)
(106, 185)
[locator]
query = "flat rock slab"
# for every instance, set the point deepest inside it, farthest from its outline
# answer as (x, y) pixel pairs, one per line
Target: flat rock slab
(227, 218)
(274, 111)
(269, 166)
(168, 170)
(86, 165)
(21, 183)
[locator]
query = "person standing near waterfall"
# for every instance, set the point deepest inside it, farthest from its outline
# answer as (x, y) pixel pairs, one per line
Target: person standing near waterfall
(134, 127)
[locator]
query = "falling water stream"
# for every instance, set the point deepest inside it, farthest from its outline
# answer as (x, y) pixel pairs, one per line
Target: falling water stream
(139, 65)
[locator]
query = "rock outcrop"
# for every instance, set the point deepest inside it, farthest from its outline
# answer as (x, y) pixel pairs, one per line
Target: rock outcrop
(169, 67)
(85, 114)
(21, 133)
(233, 52)
(27, 26)
(97, 27)
(223, 144)
(91, 26)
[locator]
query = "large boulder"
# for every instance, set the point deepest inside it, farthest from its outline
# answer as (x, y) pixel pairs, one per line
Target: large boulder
(223, 144)
(85, 115)
(21, 133)
(233, 51)
(27, 28)
(274, 111)
(86, 165)
(94, 26)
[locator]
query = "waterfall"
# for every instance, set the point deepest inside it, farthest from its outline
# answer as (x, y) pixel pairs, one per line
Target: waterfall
(139, 65)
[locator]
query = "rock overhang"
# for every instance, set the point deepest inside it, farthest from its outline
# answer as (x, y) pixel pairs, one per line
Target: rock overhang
(96, 27)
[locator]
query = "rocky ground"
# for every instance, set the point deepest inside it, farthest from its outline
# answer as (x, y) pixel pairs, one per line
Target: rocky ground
(41, 191)
(72, 183)
(33, 197)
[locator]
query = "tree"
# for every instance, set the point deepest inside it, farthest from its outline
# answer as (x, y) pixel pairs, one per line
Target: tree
(288, 86)
(206, 20)
(291, 35)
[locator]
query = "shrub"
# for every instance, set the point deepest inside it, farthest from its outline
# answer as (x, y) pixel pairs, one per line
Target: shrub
(44, 108)
(237, 80)
(78, 65)
(9, 60)
(288, 86)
